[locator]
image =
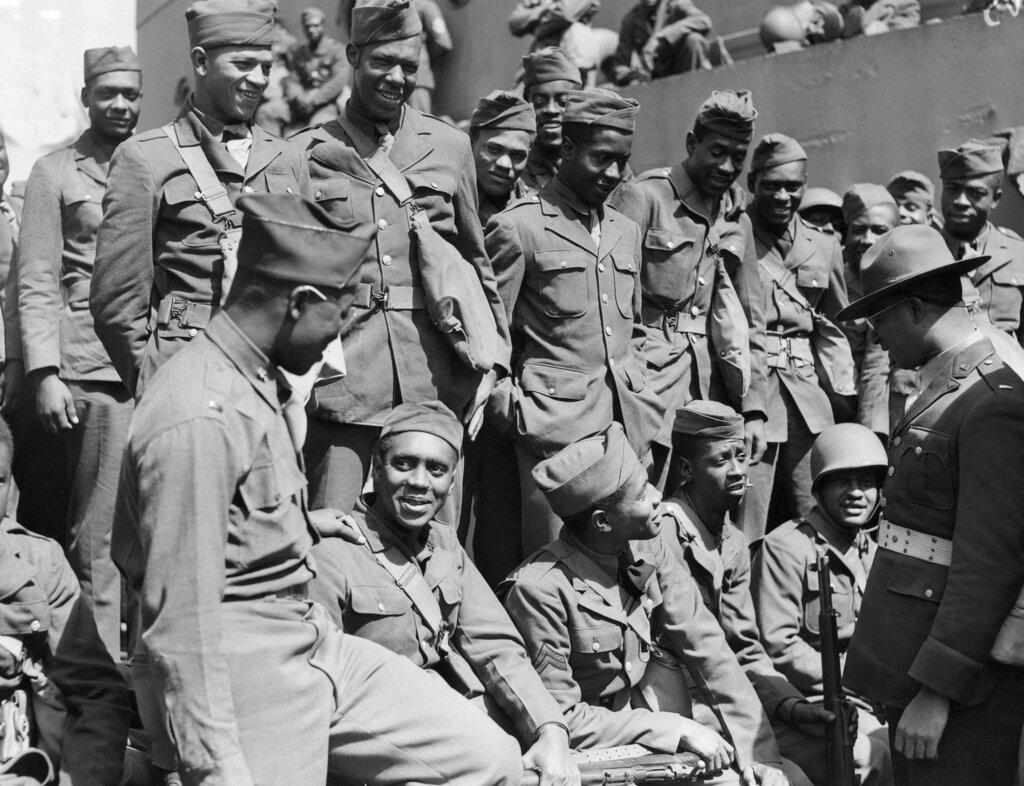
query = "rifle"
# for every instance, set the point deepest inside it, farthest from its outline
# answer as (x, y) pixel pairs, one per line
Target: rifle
(631, 764)
(838, 741)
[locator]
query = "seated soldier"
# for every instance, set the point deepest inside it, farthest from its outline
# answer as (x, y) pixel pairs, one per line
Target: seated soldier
(659, 38)
(848, 463)
(51, 652)
(603, 605)
(712, 464)
(410, 587)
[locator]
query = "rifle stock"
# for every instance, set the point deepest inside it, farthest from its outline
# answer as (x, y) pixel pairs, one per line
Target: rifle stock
(644, 768)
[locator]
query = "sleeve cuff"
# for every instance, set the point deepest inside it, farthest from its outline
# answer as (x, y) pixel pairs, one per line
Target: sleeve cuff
(946, 671)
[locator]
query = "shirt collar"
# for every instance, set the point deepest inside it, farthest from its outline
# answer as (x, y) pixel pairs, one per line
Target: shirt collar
(691, 196)
(247, 357)
(930, 370)
(217, 127)
(570, 198)
(381, 534)
(536, 161)
(606, 562)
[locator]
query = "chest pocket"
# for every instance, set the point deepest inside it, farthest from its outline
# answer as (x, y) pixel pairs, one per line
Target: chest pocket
(451, 597)
(668, 256)
(842, 602)
(335, 196)
(433, 191)
(563, 283)
(82, 211)
(1005, 302)
(812, 282)
(596, 641)
(281, 182)
(924, 471)
(26, 614)
(182, 206)
(374, 602)
(271, 524)
(625, 282)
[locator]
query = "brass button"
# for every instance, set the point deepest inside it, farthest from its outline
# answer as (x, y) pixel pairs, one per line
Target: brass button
(883, 502)
(35, 625)
(595, 646)
(382, 223)
(896, 442)
(319, 194)
(535, 198)
(928, 593)
(89, 196)
(892, 471)
(247, 189)
(386, 259)
(551, 391)
(600, 267)
(379, 190)
(380, 607)
(563, 263)
(695, 310)
(918, 450)
(669, 244)
(629, 667)
(733, 249)
(814, 282)
(288, 190)
(192, 332)
(604, 297)
(433, 185)
(607, 331)
(700, 280)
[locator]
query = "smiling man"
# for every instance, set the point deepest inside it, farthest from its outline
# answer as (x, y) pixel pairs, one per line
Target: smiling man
(501, 130)
(548, 76)
(412, 588)
(166, 249)
(568, 271)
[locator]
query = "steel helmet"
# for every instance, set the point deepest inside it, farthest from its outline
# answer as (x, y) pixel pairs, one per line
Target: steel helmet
(780, 25)
(845, 446)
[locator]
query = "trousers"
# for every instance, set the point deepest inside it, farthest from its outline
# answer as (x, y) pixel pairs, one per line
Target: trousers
(871, 760)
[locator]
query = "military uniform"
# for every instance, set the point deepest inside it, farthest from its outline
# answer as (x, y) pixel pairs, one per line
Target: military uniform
(480, 654)
(540, 170)
(682, 39)
(321, 74)
(159, 270)
(436, 42)
(996, 288)
(549, 64)
(80, 702)
(62, 214)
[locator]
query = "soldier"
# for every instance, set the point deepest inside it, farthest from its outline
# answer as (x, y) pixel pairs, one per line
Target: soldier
(802, 272)
(548, 76)
(378, 161)
(78, 704)
(694, 258)
(848, 465)
(659, 38)
(823, 208)
(78, 394)
(950, 562)
(915, 194)
(259, 685)
(436, 43)
(972, 176)
(8, 219)
(321, 73)
(501, 129)
(165, 249)
(441, 615)
(603, 607)
(568, 270)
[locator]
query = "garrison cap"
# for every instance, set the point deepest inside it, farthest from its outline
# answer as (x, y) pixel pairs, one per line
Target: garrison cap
(863, 196)
(549, 65)
(599, 107)
(213, 23)
(428, 417)
(909, 183)
(728, 113)
(379, 21)
(289, 238)
(708, 420)
(900, 260)
(504, 109)
(821, 197)
(312, 13)
(585, 472)
(776, 150)
(971, 159)
(105, 59)
(1013, 149)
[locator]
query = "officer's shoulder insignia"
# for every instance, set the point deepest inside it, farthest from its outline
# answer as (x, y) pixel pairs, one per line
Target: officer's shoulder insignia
(217, 385)
(549, 658)
(1010, 233)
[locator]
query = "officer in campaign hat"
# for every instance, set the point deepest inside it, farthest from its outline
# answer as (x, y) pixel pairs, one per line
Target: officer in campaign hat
(548, 76)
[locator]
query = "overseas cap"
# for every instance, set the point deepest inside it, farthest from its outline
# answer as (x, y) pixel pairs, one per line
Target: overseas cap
(548, 65)
(775, 150)
(599, 107)
(909, 183)
(311, 13)
(821, 197)
(105, 59)
(971, 159)
(728, 113)
(898, 261)
(863, 196)
(577, 477)
(378, 21)
(504, 109)
(213, 23)
(1013, 149)
(708, 420)
(429, 417)
(289, 238)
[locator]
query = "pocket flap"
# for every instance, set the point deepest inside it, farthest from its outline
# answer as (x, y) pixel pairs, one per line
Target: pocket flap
(595, 640)
(811, 278)
(624, 262)
(920, 580)
(76, 194)
(565, 384)
(451, 590)
(379, 601)
(1009, 275)
(271, 482)
(666, 239)
(437, 181)
(281, 183)
(334, 188)
(180, 189)
(636, 375)
(558, 259)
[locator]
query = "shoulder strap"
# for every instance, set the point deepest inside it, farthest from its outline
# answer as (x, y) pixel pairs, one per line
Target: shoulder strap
(784, 281)
(211, 191)
(378, 160)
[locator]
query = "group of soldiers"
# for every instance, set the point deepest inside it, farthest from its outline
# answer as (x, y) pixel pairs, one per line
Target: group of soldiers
(395, 455)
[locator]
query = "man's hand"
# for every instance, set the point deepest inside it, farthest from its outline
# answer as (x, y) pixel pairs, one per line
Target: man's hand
(550, 757)
(716, 753)
(12, 385)
(763, 775)
(753, 430)
(649, 52)
(55, 406)
(807, 717)
(473, 416)
(922, 724)
(330, 523)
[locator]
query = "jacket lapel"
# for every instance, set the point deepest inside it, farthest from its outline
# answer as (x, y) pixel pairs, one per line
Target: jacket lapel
(948, 379)
(263, 151)
(412, 141)
(803, 246)
(86, 159)
(610, 234)
(596, 580)
(571, 227)
(191, 132)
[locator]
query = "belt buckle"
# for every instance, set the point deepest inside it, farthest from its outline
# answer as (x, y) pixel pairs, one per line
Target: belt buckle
(178, 312)
(442, 642)
(672, 320)
(381, 299)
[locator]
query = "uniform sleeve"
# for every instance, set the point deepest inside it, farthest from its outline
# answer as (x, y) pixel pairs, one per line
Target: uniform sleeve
(183, 541)
(689, 19)
(122, 278)
(94, 692)
(330, 586)
(39, 299)
(525, 15)
(508, 260)
(746, 280)
(492, 646)
(835, 298)
(873, 388)
(629, 38)
(540, 613)
(12, 319)
(987, 569)
(340, 75)
(740, 626)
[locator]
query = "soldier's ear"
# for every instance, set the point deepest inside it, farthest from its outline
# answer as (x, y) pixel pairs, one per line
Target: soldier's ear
(599, 521)
(685, 470)
(352, 55)
(691, 142)
(997, 194)
(200, 60)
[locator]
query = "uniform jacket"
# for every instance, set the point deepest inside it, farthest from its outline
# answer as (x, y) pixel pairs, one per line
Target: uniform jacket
(58, 244)
(681, 18)
(40, 603)
(684, 238)
(9, 228)
(999, 283)
(157, 239)
(874, 375)
(211, 511)
(816, 263)
(437, 162)
(785, 588)
(364, 600)
(723, 577)
(539, 170)
(436, 41)
(591, 641)
(954, 460)
(577, 342)
(320, 74)
(488, 207)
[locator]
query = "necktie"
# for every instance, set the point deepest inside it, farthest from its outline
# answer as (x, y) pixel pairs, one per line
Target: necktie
(294, 410)
(238, 140)
(385, 138)
(595, 227)
(633, 576)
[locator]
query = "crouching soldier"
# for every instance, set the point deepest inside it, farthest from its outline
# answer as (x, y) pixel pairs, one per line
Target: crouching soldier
(410, 587)
(603, 606)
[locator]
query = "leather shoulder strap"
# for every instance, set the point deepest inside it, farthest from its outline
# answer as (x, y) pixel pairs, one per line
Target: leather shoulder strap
(211, 191)
(378, 161)
(784, 281)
